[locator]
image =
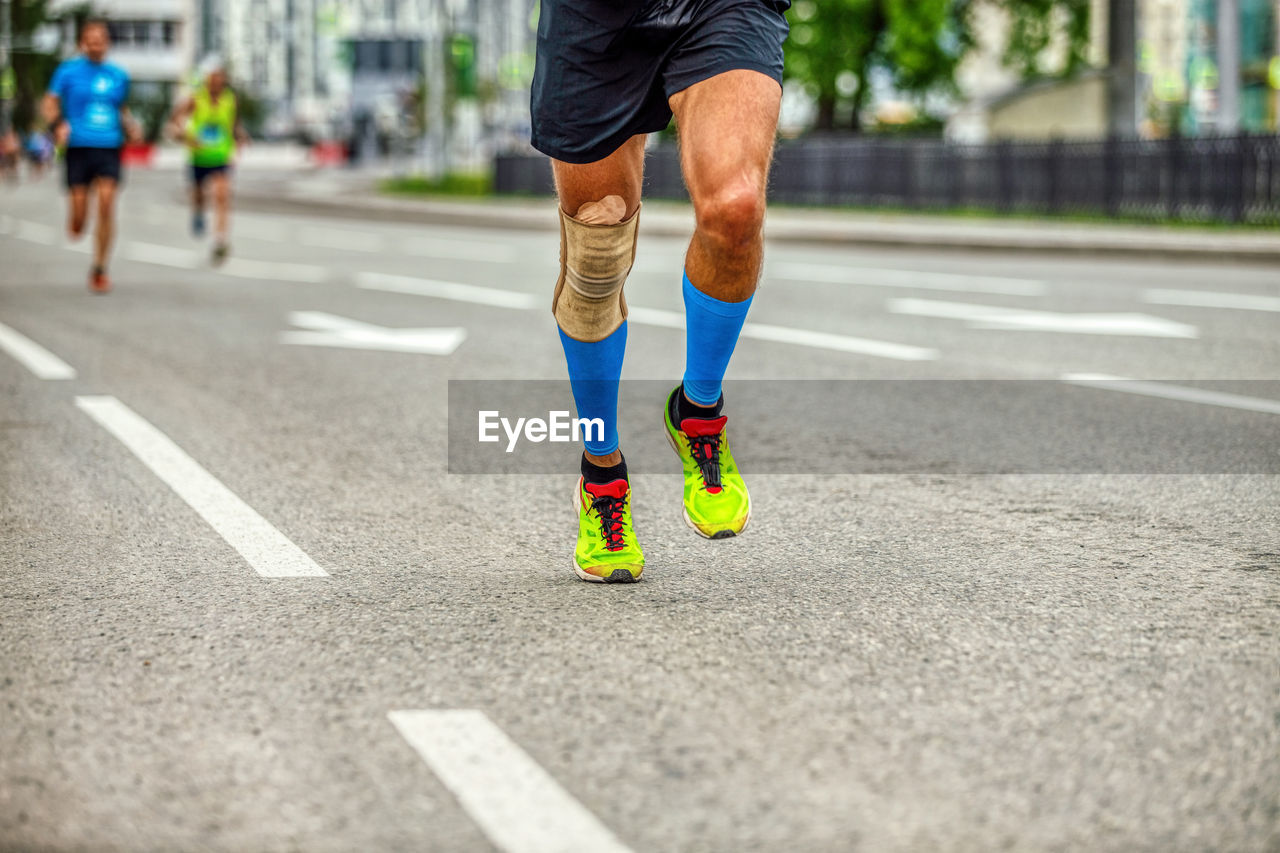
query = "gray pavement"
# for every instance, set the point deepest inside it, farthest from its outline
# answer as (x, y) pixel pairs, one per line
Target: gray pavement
(891, 661)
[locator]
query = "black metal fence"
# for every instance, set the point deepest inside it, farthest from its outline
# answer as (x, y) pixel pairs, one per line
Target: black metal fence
(1203, 179)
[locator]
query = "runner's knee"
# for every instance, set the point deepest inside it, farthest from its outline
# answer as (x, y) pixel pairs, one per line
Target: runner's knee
(597, 248)
(733, 215)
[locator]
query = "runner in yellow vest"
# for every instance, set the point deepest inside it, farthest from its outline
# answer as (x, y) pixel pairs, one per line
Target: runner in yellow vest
(208, 123)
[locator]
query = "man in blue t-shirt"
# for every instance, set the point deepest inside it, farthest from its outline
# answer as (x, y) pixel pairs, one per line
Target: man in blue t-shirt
(85, 108)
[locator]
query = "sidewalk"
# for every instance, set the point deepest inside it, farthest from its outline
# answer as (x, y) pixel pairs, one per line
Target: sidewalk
(355, 194)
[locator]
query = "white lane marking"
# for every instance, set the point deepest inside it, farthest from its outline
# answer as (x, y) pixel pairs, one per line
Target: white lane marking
(37, 359)
(35, 232)
(1211, 299)
(273, 271)
(330, 330)
(339, 238)
(428, 247)
(869, 277)
(797, 337)
(1018, 319)
(644, 316)
(453, 290)
(1107, 382)
(155, 253)
(516, 803)
(264, 547)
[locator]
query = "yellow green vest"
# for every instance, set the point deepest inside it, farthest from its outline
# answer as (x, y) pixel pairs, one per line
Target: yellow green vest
(213, 126)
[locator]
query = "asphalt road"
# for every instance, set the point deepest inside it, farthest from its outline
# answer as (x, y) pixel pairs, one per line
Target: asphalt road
(899, 658)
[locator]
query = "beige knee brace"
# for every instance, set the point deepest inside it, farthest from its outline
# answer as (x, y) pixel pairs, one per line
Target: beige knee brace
(595, 257)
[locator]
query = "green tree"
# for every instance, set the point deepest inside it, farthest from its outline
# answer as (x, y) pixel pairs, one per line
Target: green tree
(837, 45)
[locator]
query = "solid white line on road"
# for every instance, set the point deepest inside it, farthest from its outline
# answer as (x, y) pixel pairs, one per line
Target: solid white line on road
(155, 253)
(35, 232)
(37, 359)
(909, 279)
(427, 247)
(1018, 319)
(264, 547)
(797, 337)
(643, 316)
(338, 238)
(273, 271)
(1107, 382)
(516, 803)
(1211, 299)
(453, 290)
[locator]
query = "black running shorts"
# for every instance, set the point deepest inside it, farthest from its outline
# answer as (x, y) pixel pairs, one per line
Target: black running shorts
(86, 164)
(605, 68)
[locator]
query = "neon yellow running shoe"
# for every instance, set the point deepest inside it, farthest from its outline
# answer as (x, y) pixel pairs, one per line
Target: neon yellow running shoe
(716, 502)
(607, 550)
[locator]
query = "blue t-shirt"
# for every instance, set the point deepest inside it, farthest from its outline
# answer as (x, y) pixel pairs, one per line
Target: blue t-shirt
(92, 94)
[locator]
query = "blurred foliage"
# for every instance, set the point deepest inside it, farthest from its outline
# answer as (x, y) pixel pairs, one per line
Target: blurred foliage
(837, 46)
(33, 68)
(455, 183)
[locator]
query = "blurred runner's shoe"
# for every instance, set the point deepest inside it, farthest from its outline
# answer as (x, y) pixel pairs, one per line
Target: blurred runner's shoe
(197, 223)
(607, 549)
(716, 502)
(220, 251)
(98, 281)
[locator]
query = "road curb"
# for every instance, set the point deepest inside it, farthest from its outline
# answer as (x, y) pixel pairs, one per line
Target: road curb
(787, 225)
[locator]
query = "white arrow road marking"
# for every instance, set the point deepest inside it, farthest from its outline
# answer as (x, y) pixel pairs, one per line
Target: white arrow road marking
(37, 359)
(265, 548)
(1018, 319)
(516, 803)
(643, 316)
(1211, 299)
(908, 279)
(1107, 382)
(330, 330)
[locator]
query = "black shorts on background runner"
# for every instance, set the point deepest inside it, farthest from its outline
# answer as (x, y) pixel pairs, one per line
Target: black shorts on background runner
(86, 164)
(605, 68)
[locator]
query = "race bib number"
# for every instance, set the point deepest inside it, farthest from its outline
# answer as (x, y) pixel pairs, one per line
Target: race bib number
(100, 114)
(210, 134)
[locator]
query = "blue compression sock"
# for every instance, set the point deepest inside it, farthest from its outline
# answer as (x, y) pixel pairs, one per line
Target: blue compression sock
(711, 332)
(594, 371)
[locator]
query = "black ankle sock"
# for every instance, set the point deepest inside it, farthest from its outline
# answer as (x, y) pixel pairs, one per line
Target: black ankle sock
(600, 475)
(686, 409)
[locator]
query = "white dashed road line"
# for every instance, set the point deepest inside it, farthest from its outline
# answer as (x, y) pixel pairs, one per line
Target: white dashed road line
(459, 292)
(1211, 299)
(1020, 319)
(274, 271)
(1144, 388)
(265, 548)
(35, 232)
(452, 290)
(37, 359)
(156, 253)
(907, 279)
(510, 797)
(340, 238)
(427, 247)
